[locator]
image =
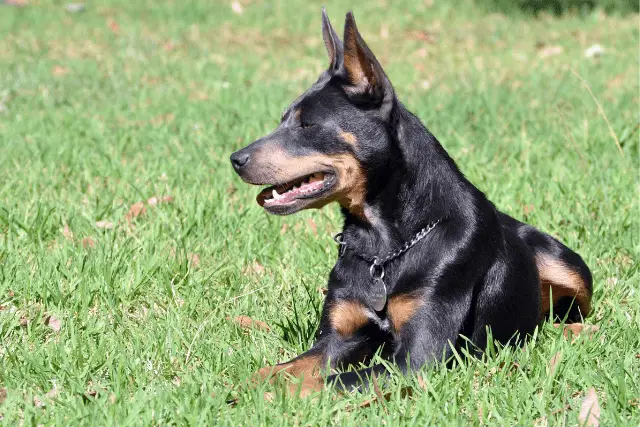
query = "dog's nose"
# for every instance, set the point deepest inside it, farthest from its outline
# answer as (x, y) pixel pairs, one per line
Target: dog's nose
(239, 159)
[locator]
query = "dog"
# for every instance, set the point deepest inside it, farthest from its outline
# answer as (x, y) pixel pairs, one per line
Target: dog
(426, 263)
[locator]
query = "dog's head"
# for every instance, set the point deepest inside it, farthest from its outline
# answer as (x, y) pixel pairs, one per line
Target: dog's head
(331, 139)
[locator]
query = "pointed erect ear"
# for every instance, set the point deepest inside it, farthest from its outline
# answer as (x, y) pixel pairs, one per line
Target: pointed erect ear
(332, 42)
(363, 71)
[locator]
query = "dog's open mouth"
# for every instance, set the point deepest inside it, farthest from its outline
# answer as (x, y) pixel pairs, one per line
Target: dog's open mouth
(296, 194)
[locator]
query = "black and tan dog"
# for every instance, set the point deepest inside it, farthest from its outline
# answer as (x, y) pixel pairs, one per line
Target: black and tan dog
(425, 259)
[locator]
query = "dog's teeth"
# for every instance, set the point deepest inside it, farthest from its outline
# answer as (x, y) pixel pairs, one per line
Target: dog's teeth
(275, 194)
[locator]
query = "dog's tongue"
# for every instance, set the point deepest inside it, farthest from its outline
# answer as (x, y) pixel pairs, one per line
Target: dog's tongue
(295, 192)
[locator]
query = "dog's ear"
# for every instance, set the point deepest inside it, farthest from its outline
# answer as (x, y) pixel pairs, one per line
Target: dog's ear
(366, 78)
(332, 42)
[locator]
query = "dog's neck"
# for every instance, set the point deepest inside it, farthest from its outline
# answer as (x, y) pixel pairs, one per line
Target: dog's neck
(420, 184)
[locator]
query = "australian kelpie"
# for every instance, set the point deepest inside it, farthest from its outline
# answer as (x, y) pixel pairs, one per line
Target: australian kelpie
(424, 258)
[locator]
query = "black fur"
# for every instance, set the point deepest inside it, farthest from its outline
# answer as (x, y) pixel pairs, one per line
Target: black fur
(475, 270)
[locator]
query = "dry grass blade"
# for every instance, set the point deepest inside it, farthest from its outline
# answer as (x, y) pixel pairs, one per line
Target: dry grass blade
(378, 392)
(600, 110)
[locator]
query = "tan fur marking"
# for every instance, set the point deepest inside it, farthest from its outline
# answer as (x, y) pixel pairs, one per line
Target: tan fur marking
(296, 115)
(350, 191)
(347, 317)
(348, 137)
(306, 369)
(563, 281)
(401, 308)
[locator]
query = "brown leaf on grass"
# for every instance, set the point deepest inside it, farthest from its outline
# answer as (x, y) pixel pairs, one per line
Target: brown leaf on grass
(50, 395)
(136, 210)
(269, 397)
(67, 233)
(633, 402)
(113, 26)
(590, 410)
(313, 226)
(513, 366)
(553, 363)
(528, 209)
(162, 119)
(16, 3)
(3, 395)
(107, 225)
(53, 322)
(424, 36)
(37, 402)
(194, 259)
(547, 51)
(284, 229)
(255, 268)
(154, 201)
(88, 242)
(574, 330)
(323, 291)
(246, 322)
(59, 70)
(53, 393)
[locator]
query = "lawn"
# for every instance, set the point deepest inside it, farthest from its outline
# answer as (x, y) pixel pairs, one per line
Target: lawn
(128, 246)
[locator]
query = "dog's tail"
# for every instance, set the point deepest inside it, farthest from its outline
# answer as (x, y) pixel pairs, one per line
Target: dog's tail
(565, 280)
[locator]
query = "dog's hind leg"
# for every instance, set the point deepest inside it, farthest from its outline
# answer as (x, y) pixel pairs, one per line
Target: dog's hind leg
(565, 279)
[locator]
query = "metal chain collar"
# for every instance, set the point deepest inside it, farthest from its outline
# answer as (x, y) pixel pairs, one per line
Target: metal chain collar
(377, 263)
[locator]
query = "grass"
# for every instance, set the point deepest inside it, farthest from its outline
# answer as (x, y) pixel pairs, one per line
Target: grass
(126, 101)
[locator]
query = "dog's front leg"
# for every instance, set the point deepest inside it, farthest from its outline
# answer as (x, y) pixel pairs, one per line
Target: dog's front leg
(343, 339)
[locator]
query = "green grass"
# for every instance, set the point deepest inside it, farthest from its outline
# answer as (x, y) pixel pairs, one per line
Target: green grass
(130, 100)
